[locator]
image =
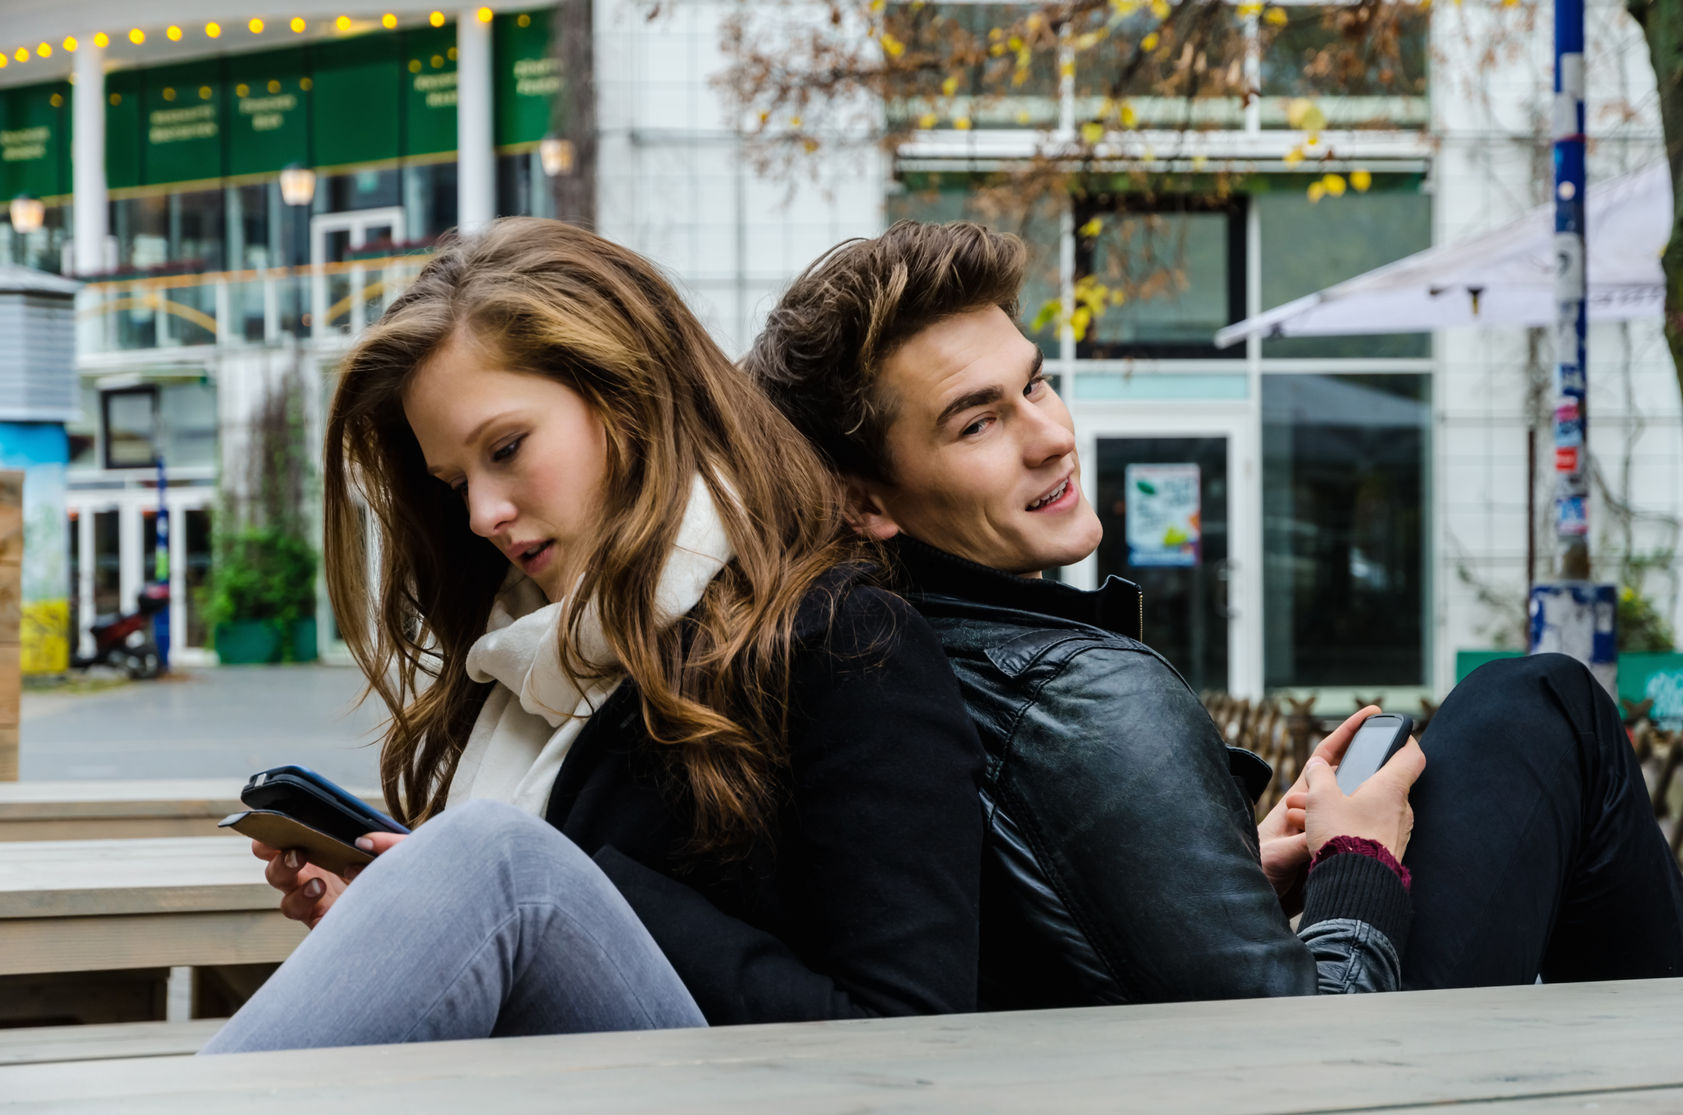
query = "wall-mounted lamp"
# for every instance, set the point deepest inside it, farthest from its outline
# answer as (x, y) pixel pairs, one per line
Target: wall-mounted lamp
(555, 155)
(28, 213)
(298, 185)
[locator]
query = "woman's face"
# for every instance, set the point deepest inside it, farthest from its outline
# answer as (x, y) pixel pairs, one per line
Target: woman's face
(527, 455)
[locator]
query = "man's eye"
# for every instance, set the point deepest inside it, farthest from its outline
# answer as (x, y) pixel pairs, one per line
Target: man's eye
(507, 451)
(1032, 388)
(975, 427)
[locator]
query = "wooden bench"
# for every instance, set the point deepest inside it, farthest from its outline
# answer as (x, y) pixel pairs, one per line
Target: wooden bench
(101, 810)
(136, 906)
(1561, 1048)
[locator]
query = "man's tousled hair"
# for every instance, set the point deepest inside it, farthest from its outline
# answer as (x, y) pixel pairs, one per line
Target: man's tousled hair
(821, 354)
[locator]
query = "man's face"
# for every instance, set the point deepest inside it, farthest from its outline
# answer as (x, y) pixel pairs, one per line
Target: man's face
(981, 449)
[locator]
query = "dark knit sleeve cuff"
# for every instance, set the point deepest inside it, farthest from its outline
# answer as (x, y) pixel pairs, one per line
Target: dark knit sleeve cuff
(1362, 846)
(1346, 883)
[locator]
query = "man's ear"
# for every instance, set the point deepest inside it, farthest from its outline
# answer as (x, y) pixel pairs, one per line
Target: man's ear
(866, 513)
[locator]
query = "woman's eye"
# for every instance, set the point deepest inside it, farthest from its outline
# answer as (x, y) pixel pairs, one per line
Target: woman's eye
(505, 452)
(459, 490)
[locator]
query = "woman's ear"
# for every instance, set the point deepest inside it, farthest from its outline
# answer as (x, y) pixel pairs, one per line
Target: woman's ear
(866, 513)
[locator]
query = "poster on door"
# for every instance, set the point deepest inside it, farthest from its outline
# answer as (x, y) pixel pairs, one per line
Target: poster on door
(1163, 515)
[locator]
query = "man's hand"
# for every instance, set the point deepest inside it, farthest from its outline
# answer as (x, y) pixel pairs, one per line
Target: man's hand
(307, 891)
(1283, 834)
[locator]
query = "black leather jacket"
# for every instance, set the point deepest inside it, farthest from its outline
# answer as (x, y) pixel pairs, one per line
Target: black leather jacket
(1123, 857)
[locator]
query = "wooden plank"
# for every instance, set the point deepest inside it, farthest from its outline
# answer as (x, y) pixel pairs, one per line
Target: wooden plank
(1583, 1044)
(82, 944)
(11, 615)
(81, 878)
(116, 1041)
(108, 810)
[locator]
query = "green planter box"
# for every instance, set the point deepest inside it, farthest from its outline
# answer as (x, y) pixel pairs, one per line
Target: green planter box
(1642, 675)
(246, 642)
(304, 640)
(250, 642)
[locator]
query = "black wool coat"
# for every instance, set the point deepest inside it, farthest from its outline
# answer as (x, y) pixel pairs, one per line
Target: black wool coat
(865, 901)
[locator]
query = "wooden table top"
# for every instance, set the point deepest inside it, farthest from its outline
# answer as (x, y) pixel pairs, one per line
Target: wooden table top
(1613, 1047)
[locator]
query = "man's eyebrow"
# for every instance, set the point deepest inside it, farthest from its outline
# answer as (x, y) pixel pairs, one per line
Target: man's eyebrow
(988, 395)
(984, 397)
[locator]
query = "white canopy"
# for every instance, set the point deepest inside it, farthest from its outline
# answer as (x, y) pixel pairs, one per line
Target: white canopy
(1502, 277)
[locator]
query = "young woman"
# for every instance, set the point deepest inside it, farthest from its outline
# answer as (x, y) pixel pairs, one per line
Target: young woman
(670, 760)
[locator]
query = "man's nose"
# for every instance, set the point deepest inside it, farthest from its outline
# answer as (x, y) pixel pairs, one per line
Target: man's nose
(1048, 439)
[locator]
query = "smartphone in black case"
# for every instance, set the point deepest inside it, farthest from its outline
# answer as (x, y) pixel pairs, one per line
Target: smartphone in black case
(294, 807)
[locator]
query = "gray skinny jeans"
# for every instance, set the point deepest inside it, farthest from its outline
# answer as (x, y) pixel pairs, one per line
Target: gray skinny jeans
(486, 923)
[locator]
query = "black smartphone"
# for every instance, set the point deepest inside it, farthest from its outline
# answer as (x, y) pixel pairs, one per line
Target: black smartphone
(294, 807)
(1379, 737)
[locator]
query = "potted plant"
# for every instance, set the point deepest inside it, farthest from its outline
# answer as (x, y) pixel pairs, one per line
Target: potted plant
(262, 597)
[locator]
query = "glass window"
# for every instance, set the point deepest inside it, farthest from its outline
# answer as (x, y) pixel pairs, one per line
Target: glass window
(359, 189)
(1168, 276)
(131, 423)
(1344, 483)
(108, 565)
(429, 201)
(196, 577)
(940, 198)
(187, 421)
(1356, 50)
(522, 187)
(42, 249)
(1307, 246)
(1198, 51)
(171, 232)
(970, 46)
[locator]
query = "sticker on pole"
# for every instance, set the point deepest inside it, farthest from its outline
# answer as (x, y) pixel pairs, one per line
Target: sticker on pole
(1164, 524)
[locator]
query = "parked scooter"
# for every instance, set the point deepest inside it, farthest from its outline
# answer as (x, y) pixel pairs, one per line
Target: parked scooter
(125, 641)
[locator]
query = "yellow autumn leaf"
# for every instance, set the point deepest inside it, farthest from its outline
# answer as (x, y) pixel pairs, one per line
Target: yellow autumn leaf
(1160, 8)
(1361, 179)
(1313, 139)
(809, 145)
(1249, 8)
(1198, 162)
(1023, 116)
(1066, 69)
(1015, 42)
(995, 34)
(794, 121)
(1275, 17)
(878, 5)
(891, 46)
(996, 49)
(1316, 192)
(1091, 229)
(950, 85)
(927, 120)
(962, 123)
(1092, 131)
(1305, 115)
(1128, 116)
(1019, 75)
(1149, 43)
(1033, 22)
(1292, 157)
(1334, 184)
(1079, 320)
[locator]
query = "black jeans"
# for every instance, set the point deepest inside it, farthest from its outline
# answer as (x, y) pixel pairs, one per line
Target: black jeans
(1535, 849)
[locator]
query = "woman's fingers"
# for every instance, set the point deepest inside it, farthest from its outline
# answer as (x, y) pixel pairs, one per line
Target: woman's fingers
(311, 900)
(264, 851)
(286, 869)
(380, 842)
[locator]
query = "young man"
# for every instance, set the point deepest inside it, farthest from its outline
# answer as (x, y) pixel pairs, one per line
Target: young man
(1124, 863)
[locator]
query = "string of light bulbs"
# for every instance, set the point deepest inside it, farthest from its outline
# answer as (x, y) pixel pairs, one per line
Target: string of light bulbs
(212, 30)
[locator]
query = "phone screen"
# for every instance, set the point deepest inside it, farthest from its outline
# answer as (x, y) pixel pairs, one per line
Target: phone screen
(1379, 737)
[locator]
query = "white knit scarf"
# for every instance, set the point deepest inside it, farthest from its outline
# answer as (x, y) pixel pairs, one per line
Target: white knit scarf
(531, 718)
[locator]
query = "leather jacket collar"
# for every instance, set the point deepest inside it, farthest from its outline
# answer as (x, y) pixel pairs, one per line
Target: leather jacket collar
(924, 570)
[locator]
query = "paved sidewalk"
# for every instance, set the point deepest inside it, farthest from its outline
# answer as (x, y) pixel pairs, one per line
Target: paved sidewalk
(206, 722)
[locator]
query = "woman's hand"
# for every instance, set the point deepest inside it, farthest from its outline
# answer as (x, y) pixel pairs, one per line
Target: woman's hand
(1379, 808)
(308, 891)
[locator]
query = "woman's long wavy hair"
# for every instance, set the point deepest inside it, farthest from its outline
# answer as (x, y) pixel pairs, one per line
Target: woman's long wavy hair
(554, 300)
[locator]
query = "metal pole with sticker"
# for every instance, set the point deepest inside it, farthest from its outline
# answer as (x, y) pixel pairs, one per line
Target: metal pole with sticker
(1570, 614)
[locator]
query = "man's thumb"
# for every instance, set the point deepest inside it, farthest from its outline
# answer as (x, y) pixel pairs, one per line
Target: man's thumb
(1319, 775)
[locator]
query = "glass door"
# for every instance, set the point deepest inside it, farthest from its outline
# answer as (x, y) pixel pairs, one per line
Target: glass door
(1178, 524)
(345, 292)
